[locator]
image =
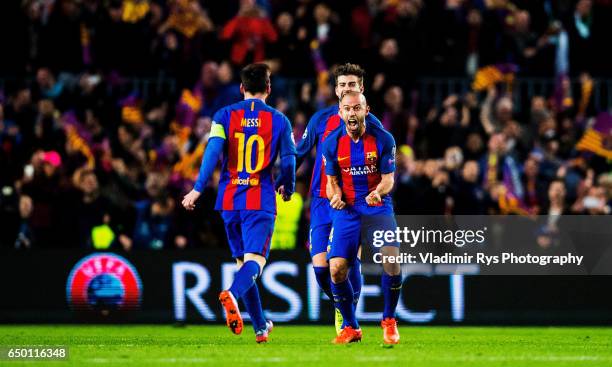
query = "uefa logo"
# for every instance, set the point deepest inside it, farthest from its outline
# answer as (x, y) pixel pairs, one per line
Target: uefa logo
(104, 283)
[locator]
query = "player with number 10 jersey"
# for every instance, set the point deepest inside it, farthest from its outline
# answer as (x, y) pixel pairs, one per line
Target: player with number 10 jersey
(251, 135)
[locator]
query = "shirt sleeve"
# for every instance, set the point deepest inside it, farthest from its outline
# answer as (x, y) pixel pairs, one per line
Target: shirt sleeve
(309, 139)
(209, 162)
(219, 125)
(330, 159)
(287, 153)
(287, 142)
(371, 119)
(387, 155)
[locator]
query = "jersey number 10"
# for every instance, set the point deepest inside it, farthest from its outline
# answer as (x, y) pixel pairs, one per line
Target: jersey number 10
(248, 149)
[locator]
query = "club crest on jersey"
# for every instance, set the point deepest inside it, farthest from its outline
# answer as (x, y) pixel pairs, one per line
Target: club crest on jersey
(104, 283)
(371, 157)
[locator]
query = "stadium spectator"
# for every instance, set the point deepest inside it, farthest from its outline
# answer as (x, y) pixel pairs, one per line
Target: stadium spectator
(291, 48)
(469, 197)
(580, 29)
(61, 39)
(155, 226)
(395, 118)
(91, 212)
(249, 31)
(43, 186)
(121, 89)
(534, 184)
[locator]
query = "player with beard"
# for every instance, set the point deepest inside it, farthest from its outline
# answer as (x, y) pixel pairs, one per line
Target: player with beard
(348, 78)
(360, 164)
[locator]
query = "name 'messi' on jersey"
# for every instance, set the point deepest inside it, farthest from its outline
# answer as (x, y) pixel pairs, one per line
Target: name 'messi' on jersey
(250, 122)
(360, 170)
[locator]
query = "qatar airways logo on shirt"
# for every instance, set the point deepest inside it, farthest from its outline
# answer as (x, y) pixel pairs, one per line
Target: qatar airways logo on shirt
(254, 122)
(245, 181)
(360, 170)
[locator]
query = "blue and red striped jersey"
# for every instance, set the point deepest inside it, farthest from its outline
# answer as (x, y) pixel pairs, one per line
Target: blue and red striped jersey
(321, 124)
(359, 165)
(255, 134)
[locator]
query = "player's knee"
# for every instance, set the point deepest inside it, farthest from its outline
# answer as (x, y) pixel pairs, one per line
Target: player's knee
(239, 263)
(320, 260)
(260, 260)
(339, 272)
(392, 269)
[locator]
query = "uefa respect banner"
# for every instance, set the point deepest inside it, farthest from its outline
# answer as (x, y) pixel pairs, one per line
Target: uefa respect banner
(183, 286)
(442, 287)
(494, 245)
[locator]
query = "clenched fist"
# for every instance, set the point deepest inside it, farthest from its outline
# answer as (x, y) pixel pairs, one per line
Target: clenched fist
(373, 198)
(190, 199)
(336, 202)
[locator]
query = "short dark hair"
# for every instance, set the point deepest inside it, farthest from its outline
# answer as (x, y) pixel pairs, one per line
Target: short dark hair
(255, 78)
(349, 69)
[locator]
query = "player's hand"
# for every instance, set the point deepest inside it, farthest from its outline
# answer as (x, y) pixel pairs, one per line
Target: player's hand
(336, 202)
(373, 198)
(283, 194)
(190, 199)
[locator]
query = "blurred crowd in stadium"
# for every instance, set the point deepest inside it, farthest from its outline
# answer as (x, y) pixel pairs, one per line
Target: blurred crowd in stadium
(90, 160)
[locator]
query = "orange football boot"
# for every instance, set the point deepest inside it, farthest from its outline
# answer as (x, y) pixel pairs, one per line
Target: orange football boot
(390, 332)
(232, 313)
(261, 336)
(348, 335)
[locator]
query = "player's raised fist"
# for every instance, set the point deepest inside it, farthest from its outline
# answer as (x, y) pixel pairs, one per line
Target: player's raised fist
(190, 199)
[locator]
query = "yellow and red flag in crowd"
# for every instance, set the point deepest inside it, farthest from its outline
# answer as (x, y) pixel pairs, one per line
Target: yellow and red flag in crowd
(597, 138)
(491, 75)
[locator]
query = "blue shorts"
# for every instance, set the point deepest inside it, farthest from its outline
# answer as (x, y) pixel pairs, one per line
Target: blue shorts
(354, 223)
(320, 225)
(248, 231)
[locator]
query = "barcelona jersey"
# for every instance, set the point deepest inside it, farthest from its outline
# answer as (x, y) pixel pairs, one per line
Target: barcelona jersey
(319, 127)
(359, 165)
(255, 134)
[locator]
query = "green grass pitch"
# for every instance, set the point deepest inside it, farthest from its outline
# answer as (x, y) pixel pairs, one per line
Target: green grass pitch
(151, 345)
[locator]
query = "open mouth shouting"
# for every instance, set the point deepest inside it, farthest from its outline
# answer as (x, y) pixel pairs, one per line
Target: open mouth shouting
(353, 124)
